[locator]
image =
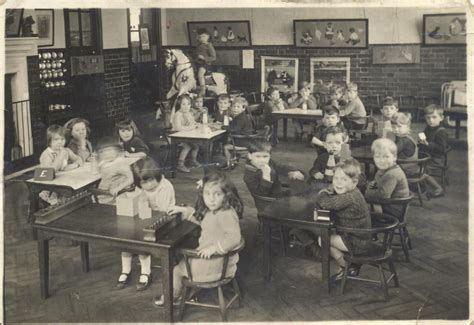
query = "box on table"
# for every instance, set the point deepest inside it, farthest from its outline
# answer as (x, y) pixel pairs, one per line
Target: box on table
(127, 204)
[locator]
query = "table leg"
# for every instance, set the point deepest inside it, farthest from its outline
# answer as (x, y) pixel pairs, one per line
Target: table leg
(34, 206)
(285, 129)
(267, 265)
(85, 256)
(167, 280)
(325, 257)
(174, 157)
(43, 258)
(207, 154)
(458, 127)
(275, 132)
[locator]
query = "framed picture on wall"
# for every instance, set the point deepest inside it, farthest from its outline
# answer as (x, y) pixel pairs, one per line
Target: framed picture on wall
(279, 72)
(326, 72)
(13, 19)
(331, 33)
(444, 29)
(223, 34)
(45, 22)
(396, 54)
(144, 40)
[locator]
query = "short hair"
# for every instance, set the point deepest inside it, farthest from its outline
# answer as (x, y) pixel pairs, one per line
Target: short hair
(240, 100)
(259, 145)
(336, 130)
(70, 124)
(303, 84)
(270, 91)
(335, 88)
(127, 124)
(108, 142)
(350, 167)
(384, 143)
(201, 31)
(223, 97)
(180, 99)
(390, 101)
(433, 108)
(145, 170)
(330, 110)
(401, 118)
(53, 130)
(351, 86)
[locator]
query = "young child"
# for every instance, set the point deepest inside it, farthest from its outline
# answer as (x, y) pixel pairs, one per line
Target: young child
(406, 145)
(272, 103)
(240, 125)
(262, 175)
(348, 206)
(354, 109)
(183, 120)
(435, 144)
(389, 108)
(223, 105)
(335, 96)
(58, 157)
(198, 108)
(330, 119)
(205, 54)
(160, 196)
(217, 210)
(78, 132)
(390, 181)
(116, 174)
(299, 100)
(129, 135)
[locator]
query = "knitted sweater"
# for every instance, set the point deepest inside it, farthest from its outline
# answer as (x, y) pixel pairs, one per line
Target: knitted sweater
(437, 139)
(135, 145)
(353, 109)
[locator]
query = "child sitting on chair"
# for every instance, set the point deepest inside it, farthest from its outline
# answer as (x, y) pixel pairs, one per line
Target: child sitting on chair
(205, 55)
(129, 135)
(302, 99)
(390, 181)
(389, 108)
(273, 103)
(406, 145)
(435, 144)
(330, 119)
(240, 125)
(262, 174)
(336, 93)
(78, 132)
(223, 105)
(198, 108)
(354, 110)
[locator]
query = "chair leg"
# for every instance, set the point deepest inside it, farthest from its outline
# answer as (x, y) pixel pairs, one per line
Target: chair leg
(283, 241)
(383, 282)
(420, 194)
(394, 273)
(221, 303)
(183, 303)
(407, 235)
(344, 277)
(235, 284)
(403, 241)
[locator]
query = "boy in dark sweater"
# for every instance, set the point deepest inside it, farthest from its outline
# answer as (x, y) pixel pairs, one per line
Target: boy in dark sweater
(205, 54)
(330, 119)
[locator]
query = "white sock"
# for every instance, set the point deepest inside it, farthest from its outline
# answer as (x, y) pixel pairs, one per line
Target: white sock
(126, 265)
(145, 261)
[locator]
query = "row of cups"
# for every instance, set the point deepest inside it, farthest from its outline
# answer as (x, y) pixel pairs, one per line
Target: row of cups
(53, 84)
(58, 107)
(48, 74)
(50, 55)
(52, 65)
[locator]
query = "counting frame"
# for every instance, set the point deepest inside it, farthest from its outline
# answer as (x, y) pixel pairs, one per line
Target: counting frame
(54, 212)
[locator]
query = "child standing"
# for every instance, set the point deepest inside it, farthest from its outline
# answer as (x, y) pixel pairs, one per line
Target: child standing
(198, 108)
(129, 135)
(349, 208)
(330, 119)
(160, 196)
(217, 210)
(183, 120)
(206, 54)
(262, 175)
(435, 144)
(302, 99)
(354, 110)
(223, 105)
(240, 125)
(390, 181)
(406, 145)
(78, 132)
(272, 103)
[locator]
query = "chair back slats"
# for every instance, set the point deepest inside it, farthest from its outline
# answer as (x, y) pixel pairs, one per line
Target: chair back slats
(403, 202)
(261, 202)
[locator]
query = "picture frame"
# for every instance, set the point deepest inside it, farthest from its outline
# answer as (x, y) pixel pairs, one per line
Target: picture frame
(328, 71)
(223, 34)
(331, 33)
(13, 19)
(396, 54)
(45, 23)
(444, 29)
(144, 39)
(279, 72)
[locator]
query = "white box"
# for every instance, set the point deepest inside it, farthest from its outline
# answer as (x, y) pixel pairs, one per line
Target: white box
(127, 204)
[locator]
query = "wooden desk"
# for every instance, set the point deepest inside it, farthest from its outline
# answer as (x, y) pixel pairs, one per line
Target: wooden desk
(458, 113)
(98, 223)
(295, 113)
(293, 213)
(196, 136)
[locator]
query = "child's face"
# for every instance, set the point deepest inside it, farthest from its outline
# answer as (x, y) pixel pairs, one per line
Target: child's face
(433, 119)
(185, 106)
(275, 95)
(108, 154)
(149, 185)
(237, 108)
(259, 158)
(330, 120)
(57, 142)
(351, 94)
(389, 110)
(213, 196)
(337, 94)
(400, 129)
(223, 104)
(334, 143)
(79, 131)
(126, 134)
(203, 38)
(384, 159)
(199, 102)
(342, 183)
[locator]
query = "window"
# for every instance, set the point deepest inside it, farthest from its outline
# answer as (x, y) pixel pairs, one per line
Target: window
(82, 31)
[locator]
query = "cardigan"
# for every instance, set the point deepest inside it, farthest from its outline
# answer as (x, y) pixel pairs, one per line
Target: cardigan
(136, 144)
(253, 178)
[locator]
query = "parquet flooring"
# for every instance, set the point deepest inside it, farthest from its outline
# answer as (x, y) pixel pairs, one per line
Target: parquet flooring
(433, 286)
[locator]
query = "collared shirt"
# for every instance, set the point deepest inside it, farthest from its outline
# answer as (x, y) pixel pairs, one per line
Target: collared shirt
(162, 197)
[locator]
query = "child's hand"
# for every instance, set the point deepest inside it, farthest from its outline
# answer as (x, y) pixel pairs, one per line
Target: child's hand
(318, 175)
(296, 175)
(207, 252)
(372, 185)
(266, 172)
(199, 184)
(423, 142)
(317, 142)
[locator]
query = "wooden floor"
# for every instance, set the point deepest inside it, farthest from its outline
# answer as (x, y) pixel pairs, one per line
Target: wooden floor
(433, 286)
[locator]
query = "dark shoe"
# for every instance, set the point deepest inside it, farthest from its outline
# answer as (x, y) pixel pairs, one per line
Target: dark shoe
(121, 284)
(144, 285)
(337, 277)
(351, 271)
(183, 169)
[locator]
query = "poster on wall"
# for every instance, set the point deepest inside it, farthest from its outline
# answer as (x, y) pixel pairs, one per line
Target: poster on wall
(45, 21)
(13, 22)
(223, 34)
(331, 33)
(396, 54)
(279, 72)
(444, 29)
(326, 72)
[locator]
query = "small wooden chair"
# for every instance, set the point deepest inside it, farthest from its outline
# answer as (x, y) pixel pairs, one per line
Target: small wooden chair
(380, 253)
(442, 171)
(416, 180)
(189, 283)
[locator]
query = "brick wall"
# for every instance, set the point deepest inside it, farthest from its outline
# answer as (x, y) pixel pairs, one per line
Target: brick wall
(116, 83)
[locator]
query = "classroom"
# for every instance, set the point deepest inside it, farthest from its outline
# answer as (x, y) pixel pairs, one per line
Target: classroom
(273, 162)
